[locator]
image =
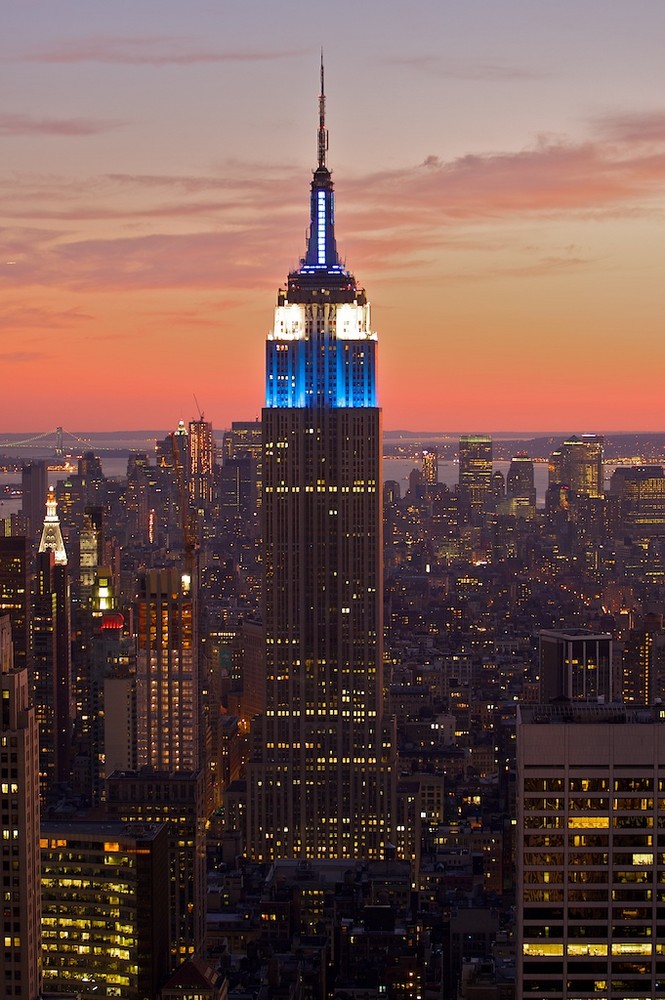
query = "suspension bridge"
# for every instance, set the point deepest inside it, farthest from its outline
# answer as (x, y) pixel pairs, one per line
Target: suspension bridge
(60, 441)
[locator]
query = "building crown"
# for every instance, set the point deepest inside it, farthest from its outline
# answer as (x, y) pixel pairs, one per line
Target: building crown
(51, 533)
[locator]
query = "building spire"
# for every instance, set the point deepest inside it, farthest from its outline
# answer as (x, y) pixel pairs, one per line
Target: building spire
(321, 254)
(51, 533)
(323, 131)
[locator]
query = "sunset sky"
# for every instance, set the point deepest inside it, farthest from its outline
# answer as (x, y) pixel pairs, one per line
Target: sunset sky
(499, 170)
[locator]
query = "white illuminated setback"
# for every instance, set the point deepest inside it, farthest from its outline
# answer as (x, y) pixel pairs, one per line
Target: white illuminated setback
(352, 321)
(289, 323)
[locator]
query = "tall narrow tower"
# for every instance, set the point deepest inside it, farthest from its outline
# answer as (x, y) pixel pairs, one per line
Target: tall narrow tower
(320, 776)
(20, 958)
(51, 654)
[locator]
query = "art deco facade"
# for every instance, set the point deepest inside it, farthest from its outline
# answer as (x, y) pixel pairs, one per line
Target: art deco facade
(320, 775)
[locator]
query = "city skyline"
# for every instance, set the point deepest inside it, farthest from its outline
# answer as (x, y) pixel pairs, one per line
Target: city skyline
(501, 179)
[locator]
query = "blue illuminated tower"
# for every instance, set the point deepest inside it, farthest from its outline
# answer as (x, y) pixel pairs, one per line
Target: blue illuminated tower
(320, 776)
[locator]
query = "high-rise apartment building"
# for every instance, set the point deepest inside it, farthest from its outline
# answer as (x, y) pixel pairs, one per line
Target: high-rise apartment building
(167, 672)
(475, 474)
(201, 463)
(590, 864)
(20, 955)
(320, 781)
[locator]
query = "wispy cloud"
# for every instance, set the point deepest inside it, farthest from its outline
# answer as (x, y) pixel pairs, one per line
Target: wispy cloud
(19, 124)
(468, 69)
(222, 231)
(23, 357)
(637, 129)
(149, 50)
(33, 318)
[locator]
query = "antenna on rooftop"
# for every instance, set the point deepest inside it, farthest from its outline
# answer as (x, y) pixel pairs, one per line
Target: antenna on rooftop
(323, 131)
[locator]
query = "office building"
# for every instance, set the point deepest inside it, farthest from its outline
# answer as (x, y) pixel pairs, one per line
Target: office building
(640, 491)
(430, 466)
(575, 664)
(113, 722)
(320, 781)
(105, 891)
(178, 799)
(34, 485)
(578, 464)
(590, 869)
(167, 672)
(475, 475)
(20, 956)
(15, 561)
(520, 483)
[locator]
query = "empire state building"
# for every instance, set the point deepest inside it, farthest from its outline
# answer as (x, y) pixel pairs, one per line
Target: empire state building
(320, 775)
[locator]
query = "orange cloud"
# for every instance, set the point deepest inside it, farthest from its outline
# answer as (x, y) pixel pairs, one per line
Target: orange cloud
(391, 219)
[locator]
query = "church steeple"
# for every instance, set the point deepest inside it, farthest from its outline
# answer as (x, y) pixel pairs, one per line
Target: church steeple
(51, 533)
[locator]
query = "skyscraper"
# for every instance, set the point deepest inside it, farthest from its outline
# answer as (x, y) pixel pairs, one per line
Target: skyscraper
(167, 672)
(34, 484)
(430, 461)
(578, 464)
(320, 775)
(15, 559)
(520, 483)
(475, 474)
(20, 958)
(52, 656)
(201, 463)
(590, 872)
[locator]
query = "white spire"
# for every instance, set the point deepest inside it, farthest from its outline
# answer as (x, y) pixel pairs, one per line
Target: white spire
(51, 533)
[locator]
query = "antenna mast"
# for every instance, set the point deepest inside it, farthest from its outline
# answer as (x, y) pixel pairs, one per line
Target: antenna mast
(323, 131)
